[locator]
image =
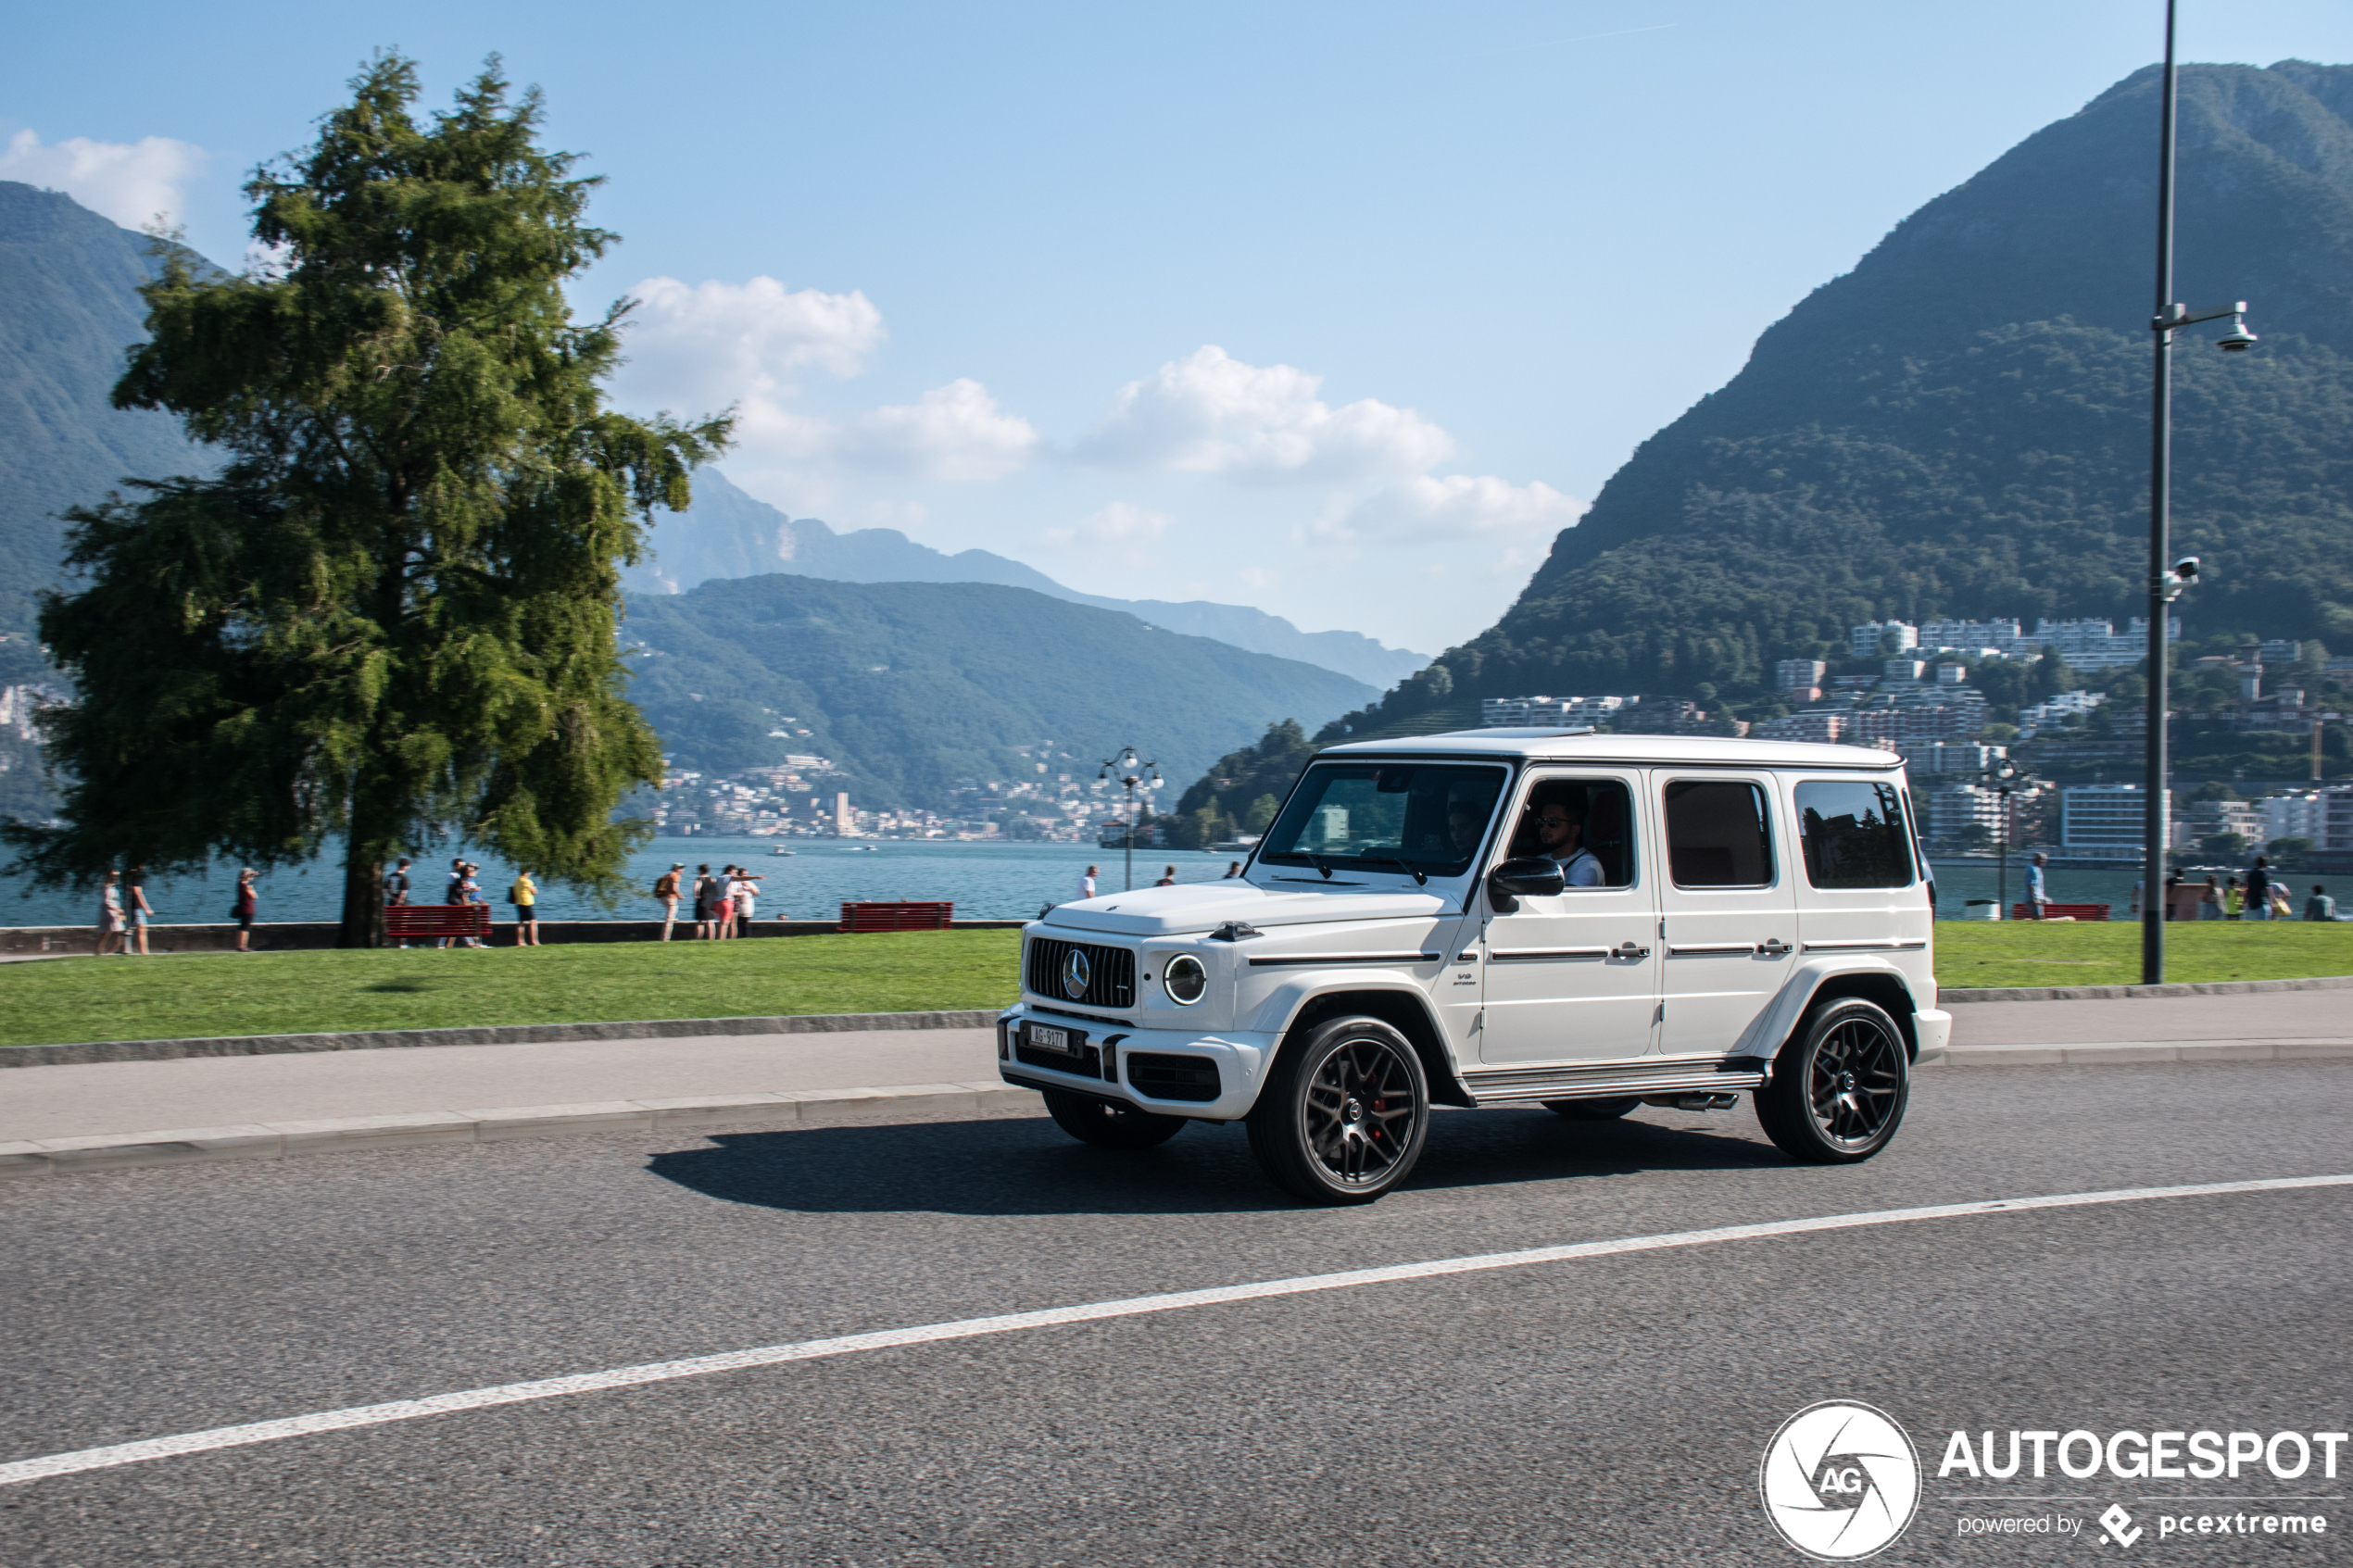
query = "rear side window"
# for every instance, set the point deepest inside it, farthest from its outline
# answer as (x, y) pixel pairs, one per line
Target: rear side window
(1853, 833)
(1717, 835)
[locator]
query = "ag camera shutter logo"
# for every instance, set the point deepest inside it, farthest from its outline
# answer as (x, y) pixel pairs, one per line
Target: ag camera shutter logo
(1840, 1480)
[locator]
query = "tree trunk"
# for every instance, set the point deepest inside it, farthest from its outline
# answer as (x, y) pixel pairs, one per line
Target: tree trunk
(363, 893)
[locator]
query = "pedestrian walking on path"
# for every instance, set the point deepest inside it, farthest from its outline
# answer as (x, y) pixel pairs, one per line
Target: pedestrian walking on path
(2038, 892)
(137, 910)
(2234, 898)
(666, 893)
(705, 900)
(2209, 900)
(1233, 869)
(109, 915)
(2258, 890)
(524, 895)
(2319, 905)
(745, 893)
(1087, 884)
(248, 904)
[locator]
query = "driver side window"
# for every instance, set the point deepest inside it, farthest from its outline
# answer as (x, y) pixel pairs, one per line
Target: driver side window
(1584, 825)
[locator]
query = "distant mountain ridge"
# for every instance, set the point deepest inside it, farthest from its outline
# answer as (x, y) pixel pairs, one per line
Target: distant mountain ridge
(1960, 425)
(915, 690)
(728, 533)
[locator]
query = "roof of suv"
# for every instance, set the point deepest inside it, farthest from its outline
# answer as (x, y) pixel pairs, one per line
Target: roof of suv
(1548, 745)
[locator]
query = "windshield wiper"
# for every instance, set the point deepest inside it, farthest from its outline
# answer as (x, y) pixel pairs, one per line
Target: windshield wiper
(1405, 865)
(1322, 865)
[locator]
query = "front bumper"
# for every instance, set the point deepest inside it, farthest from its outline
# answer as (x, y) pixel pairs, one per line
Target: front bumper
(1162, 1071)
(1933, 1029)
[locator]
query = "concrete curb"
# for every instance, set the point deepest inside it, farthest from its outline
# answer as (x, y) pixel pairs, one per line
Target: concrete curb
(282, 1140)
(497, 1034)
(2132, 1053)
(2122, 993)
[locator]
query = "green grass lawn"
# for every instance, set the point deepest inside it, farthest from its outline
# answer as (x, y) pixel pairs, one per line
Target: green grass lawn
(292, 992)
(2028, 953)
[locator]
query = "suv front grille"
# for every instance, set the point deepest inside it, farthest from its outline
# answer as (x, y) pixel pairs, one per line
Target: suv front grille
(1111, 972)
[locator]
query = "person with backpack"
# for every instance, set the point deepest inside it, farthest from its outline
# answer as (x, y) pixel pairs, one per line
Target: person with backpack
(666, 893)
(248, 904)
(524, 897)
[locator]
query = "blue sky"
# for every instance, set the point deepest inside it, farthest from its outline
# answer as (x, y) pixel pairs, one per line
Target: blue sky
(1341, 310)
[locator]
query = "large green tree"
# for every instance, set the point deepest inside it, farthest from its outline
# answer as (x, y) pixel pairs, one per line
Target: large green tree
(391, 615)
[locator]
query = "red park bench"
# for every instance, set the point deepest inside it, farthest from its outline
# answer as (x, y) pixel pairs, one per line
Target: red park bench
(904, 916)
(410, 923)
(2061, 911)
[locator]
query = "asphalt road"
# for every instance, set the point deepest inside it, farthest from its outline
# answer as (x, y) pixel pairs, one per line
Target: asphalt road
(1607, 1410)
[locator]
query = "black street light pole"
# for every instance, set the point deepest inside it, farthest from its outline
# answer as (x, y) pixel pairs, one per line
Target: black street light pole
(1130, 772)
(2168, 576)
(2153, 825)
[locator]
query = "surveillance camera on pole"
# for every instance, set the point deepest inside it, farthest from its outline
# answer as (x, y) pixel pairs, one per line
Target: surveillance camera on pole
(2181, 576)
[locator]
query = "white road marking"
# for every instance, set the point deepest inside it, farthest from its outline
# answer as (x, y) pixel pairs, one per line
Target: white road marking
(1135, 1306)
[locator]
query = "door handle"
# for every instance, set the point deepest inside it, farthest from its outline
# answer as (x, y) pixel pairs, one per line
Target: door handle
(1629, 950)
(1774, 947)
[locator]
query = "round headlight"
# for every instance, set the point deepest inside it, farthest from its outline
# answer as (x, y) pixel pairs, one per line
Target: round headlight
(1186, 981)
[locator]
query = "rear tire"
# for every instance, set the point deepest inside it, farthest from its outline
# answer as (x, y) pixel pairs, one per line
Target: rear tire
(1593, 1109)
(1839, 1086)
(1345, 1113)
(1106, 1125)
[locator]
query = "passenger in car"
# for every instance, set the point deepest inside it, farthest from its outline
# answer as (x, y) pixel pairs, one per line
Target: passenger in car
(1558, 811)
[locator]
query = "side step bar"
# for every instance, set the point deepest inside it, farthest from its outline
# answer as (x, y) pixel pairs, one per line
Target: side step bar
(1514, 1086)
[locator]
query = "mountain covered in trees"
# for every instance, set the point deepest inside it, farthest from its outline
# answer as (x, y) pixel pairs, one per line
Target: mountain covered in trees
(1960, 425)
(728, 533)
(916, 691)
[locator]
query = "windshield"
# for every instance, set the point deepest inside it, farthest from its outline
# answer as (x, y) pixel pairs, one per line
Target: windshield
(1386, 816)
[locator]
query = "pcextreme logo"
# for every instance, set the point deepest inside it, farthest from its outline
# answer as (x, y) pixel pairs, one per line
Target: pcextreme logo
(1840, 1480)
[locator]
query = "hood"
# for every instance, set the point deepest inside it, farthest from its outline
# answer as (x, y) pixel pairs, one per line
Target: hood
(1205, 905)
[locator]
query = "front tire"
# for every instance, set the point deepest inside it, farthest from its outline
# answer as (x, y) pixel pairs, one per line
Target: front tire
(1106, 1125)
(1840, 1087)
(1345, 1114)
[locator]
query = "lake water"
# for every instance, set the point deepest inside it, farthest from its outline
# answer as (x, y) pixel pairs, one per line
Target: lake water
(986, 881)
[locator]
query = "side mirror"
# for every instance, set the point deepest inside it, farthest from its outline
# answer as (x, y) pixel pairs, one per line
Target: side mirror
(1530, 876)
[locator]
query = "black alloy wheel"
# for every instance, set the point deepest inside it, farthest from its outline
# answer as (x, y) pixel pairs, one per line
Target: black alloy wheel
(1345, 1114)
(1839, 1086)
(1593, 1109)
(1109, 1125)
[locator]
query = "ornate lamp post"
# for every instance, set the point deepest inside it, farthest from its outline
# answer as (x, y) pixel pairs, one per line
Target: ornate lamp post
(2003, 779)
(2167, 576)
(1129, 771)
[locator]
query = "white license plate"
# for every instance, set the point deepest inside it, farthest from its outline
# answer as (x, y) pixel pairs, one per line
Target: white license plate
(1045, 1039)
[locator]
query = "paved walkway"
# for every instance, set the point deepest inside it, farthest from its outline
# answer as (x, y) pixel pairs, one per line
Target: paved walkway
(134, 1096)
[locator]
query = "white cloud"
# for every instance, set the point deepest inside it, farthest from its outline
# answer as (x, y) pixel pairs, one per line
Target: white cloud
(699, 348)
(1211, 413)
(1120, 530)
(133, 183)
(1425, 509)
(956, 432)
(952, 431)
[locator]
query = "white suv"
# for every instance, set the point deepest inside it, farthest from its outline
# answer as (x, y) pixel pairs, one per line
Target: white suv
(1501, 917)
